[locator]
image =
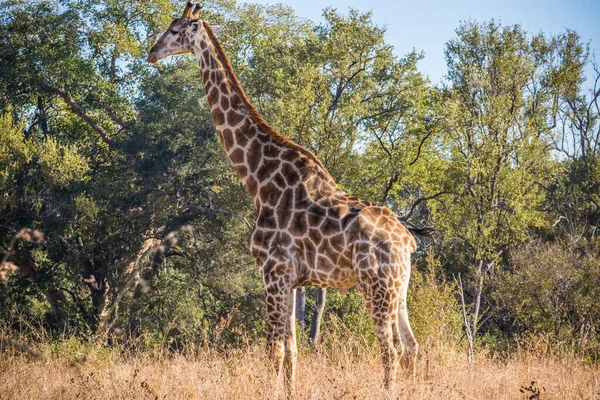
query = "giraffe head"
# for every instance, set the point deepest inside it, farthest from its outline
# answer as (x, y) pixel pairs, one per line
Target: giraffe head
(178, 37)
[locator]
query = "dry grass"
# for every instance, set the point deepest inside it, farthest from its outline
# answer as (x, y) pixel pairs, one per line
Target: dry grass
(244, 374)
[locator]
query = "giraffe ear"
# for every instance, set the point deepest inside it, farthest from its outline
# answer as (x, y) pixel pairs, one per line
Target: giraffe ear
(217, 29)
(187, 11)
(196, 10)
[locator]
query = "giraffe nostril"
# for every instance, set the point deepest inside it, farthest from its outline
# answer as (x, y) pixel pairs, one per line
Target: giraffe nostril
(152, 59)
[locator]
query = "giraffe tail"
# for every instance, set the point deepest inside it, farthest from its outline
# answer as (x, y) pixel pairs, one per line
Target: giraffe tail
(424, 231)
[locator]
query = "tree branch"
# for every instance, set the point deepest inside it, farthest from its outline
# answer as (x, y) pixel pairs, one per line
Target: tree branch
(393, 179)
(419, 148)
(117, 120)
(148, 247)
(76, 108)
(419, 201)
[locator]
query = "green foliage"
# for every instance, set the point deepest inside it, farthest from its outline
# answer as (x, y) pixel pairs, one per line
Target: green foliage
(495, 145)
(345, 315)
(553, 288)
(45, 160)
(434, 310)
(496, 139)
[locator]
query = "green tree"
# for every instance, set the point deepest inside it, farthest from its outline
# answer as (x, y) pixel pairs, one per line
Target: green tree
(496, 145)
(574, 196)
(35, 173)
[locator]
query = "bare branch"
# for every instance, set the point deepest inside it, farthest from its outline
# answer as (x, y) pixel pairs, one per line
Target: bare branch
(466, 320)
(148, 247)
(419, 201)
(393, 179)
(419, 148)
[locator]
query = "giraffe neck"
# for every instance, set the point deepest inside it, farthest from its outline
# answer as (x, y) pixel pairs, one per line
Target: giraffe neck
(230, 115)
(254, 148)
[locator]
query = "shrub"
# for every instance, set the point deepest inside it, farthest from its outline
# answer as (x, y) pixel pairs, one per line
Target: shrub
(553, 288)
(434, 311)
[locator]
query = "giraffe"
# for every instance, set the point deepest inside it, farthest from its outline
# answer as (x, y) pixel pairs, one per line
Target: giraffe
(308, 232)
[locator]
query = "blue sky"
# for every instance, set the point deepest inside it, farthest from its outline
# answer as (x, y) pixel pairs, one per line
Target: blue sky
(427, 25)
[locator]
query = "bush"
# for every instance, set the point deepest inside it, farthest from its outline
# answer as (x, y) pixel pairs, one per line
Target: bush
(434, 311)
(553, 288)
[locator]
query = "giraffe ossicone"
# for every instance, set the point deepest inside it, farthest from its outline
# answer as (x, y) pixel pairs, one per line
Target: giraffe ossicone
(307, 231)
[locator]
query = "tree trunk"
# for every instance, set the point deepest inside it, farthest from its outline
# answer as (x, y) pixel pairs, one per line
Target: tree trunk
(301, 308)
(99, 289)
(109, 312)
(467, 321)
(57, 299)
(471, 318)
(315, 325)
(477, 291)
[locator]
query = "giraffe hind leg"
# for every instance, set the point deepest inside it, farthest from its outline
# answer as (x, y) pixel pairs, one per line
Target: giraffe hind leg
(410, 346)
(375, 283)
(291, 350)
(381, 306)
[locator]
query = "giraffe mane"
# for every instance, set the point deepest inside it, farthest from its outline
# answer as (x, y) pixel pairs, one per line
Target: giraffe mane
(256, 116)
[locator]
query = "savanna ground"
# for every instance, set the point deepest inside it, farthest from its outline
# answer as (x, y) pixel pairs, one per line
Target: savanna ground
(343, 370)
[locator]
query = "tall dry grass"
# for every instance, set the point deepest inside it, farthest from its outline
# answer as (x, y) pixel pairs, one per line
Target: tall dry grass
(341, 370)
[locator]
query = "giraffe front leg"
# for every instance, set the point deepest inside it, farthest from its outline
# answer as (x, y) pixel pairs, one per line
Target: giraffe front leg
(389, 354)
(281, 340)
(275, 331)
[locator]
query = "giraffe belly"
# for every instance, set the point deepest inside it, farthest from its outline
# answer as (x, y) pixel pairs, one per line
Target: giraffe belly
(341, 280)
(328, 269)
